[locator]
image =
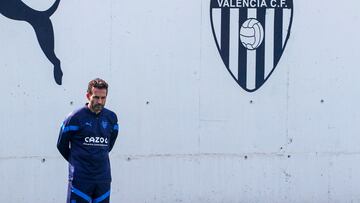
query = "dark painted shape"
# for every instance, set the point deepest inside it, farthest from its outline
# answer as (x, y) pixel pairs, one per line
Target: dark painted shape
(278, 34)
(260, 51)
(243, 13)
(225, 35)
(41, 23)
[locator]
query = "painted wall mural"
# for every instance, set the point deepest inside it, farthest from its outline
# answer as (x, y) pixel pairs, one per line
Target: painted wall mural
(251, 36)
(41, 23)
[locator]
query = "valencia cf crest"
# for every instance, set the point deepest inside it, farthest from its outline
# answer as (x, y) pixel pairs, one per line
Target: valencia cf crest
(104, 124)
(251, 36)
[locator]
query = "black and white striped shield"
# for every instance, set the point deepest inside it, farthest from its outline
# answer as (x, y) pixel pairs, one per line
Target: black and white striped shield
(251, 36)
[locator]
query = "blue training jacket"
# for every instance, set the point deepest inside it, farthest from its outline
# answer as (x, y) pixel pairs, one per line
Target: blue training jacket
(85, 141)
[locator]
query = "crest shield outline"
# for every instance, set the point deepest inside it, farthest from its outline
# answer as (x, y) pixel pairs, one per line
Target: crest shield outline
(251, 67)
(104, 124)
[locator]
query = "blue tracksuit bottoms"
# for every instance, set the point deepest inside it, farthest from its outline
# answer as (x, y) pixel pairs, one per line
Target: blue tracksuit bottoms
(88, 192)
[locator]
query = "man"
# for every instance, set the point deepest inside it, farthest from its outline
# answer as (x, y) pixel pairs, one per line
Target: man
(85, 140)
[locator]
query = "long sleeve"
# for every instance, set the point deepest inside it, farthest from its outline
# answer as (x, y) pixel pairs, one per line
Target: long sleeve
(68, 127)
(114, 134)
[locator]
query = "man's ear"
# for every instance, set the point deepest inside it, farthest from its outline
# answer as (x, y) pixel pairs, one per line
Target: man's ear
(88, 95)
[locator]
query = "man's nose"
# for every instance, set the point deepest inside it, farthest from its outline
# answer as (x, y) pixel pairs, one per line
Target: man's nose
(101, 100)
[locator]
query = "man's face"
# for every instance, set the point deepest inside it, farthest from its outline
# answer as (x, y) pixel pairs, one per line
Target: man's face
(97, 99)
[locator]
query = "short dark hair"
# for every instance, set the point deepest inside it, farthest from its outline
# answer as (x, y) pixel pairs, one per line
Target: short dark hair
(97, 83)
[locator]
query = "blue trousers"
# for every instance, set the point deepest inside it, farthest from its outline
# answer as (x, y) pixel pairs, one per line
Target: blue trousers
(88, 192)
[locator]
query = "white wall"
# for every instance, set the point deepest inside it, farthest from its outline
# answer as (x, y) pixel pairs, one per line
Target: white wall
(199, 138)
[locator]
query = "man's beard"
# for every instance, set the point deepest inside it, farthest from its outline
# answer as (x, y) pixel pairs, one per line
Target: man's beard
(97, 107)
